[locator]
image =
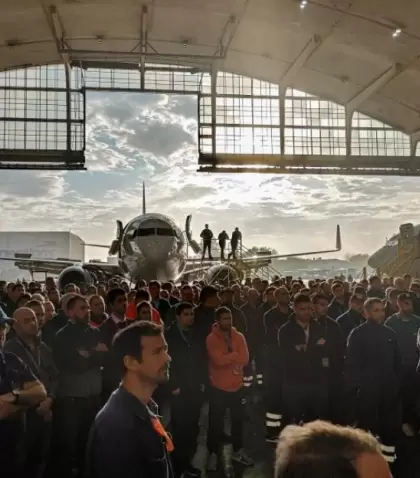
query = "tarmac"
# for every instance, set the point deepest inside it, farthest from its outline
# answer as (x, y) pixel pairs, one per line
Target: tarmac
(254, 443)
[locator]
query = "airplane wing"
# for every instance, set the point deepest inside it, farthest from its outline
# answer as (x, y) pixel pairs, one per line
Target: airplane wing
(55, 266)
(296, 254)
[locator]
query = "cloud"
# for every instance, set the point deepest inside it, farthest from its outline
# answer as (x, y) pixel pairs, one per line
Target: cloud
(133, 138)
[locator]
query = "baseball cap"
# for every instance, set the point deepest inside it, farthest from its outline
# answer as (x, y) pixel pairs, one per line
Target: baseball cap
(4, 319)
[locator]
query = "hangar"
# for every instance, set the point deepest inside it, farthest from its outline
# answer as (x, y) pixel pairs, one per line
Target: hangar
(307, 74)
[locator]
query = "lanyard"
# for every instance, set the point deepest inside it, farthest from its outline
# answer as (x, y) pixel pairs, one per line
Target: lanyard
(158, 427)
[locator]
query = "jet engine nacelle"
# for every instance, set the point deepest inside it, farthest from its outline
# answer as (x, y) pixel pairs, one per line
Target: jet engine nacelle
(74, 275)
(222, 274)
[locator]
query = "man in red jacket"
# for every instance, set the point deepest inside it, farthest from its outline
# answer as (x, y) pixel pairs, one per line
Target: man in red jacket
(228, 354)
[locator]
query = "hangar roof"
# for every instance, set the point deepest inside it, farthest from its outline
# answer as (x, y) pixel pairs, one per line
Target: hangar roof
(361, 53)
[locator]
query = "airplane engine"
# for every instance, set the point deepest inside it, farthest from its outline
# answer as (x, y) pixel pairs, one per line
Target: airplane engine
(74, 275)
(222, 274)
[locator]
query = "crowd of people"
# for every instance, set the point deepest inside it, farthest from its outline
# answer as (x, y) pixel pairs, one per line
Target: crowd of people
(83, 371)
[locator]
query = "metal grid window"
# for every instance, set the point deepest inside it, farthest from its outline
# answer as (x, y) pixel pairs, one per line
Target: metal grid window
(313, 126)
(370, 137)
(247, 116)
(33, 111)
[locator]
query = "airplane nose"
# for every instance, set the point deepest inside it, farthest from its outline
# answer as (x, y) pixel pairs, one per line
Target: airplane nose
(157, 247)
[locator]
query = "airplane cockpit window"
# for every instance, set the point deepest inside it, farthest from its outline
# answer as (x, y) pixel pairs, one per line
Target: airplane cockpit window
(393, 241)
(144, 231)
(165, 231)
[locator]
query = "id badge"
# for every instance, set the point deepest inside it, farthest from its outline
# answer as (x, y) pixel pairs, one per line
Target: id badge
(325, 362)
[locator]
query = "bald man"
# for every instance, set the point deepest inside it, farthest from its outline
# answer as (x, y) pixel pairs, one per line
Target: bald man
(57, 322)
(38, 358)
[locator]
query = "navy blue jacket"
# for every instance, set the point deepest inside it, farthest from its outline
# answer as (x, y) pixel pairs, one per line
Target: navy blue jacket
(124, 443)
(336, 308)
(301, 362)
(349, 321)
(406, 330)
(373, 361)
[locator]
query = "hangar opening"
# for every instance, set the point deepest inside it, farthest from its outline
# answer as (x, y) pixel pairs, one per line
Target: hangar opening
(243, 124)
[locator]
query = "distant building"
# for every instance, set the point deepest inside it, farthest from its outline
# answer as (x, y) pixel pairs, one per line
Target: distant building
(41, 245)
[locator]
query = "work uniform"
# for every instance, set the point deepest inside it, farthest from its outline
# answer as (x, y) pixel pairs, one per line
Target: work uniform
(406, 328)
(223, 237)
(349, 321)
(38, 430)
(372, 378)
(336, 352)
(305, 371)
(272, 321)
(78, 394)
(206, 235)
(336, 308)
(255, 340)
(13, 375)
(128, 440)
(186, 404)
(234, 242)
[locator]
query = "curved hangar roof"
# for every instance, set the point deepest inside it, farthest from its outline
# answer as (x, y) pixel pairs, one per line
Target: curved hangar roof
(360, 53)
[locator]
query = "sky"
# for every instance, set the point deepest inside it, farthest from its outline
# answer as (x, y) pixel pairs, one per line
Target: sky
(133, 138)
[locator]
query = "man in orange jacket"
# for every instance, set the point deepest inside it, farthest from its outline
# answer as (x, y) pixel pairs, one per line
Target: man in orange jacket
(228, 354)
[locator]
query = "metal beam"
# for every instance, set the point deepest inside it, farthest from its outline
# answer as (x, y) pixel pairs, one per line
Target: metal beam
(373, 87)
(103, 54)
(308, 50)
(56, 27)
(143, 44)
(414, 139)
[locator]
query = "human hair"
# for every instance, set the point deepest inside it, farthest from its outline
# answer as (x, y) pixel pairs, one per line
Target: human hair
(73, 301)
(94, 296)
(128, 341)
(34, 303)
(371, 302)
(179, 309)
(143, 294)
(70, 285)
(16, 286)
(336, 285)
(142, 304)
(168, 286)
(318, 297)
(113, 294)
(322, 450)
(300, 298)
(372, 279)
(207, 292)
(154, 283)
(269, 290)
(222, 310)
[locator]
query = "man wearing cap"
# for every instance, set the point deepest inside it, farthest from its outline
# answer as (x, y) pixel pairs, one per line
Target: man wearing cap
(19, 389)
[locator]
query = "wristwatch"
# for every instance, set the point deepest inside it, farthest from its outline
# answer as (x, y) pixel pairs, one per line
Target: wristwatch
(16, 395)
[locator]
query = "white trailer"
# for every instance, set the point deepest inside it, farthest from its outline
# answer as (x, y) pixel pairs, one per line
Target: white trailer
(41, 245)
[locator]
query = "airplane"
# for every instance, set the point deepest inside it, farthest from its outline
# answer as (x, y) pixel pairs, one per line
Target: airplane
(401, 253)
(151, 247)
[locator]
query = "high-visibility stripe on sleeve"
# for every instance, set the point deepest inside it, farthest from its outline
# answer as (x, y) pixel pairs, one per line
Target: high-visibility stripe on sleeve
(247, 384)
(248, 378)
(387, 449)
(272, 424)
(273, 416)
(259, 382)
(390, 459)
(259, 376)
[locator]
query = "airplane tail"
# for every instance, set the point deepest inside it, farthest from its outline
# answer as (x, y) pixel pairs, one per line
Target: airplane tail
(338, 239)
(144, 198)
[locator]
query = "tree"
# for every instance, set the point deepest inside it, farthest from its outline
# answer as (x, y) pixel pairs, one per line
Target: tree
(359, 260)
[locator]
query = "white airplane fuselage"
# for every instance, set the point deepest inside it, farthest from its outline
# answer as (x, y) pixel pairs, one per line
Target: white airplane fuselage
(153, 248)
